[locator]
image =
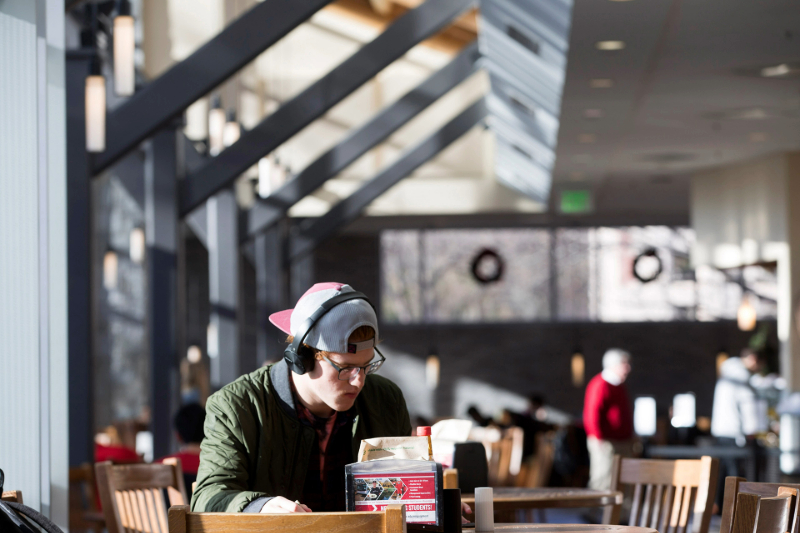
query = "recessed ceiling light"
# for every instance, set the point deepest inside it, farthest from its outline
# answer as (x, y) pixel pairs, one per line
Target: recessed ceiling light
(778, 70)
(610, 45)
(587, 138)
(601, 83)
(593, 114)
(758, 137)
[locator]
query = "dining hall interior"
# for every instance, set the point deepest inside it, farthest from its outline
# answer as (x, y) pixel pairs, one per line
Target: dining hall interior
(566, 226)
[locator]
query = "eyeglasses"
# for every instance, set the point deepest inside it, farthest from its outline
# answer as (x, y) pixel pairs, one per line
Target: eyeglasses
(348, 373)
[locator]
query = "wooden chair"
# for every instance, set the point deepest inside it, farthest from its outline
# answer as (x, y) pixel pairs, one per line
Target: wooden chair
(84, 514)
(392, 520)
(505, 457)
(536, 471)
(760, 507)
(14, 496)
(666, 493)
(132, 495)
(450, 478)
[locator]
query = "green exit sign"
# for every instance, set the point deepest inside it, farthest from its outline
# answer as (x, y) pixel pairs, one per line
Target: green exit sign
(576, 201)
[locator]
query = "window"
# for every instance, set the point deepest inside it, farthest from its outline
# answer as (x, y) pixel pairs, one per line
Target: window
(563, 274)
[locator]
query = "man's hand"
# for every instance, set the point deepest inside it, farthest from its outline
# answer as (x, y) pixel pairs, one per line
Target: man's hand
(279, 505)
(465, 510)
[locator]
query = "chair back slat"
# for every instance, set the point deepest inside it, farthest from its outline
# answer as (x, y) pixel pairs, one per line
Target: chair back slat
(159, 497)
(635, 505)
(773, 514)
(752, 497)
(658, 502)
(647, 506)
(132, 495)
(688, 497)
(668, 495)
(392, 520)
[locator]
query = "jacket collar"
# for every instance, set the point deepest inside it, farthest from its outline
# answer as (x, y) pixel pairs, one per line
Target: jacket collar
(279, 376)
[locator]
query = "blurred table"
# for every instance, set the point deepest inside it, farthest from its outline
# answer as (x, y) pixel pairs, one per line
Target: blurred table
(513, 498)
(760, 463)
(567, 528)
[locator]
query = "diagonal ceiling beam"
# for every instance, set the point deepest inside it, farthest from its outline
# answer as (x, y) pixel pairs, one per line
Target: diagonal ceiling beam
(170, 94)
(350, 208)
(410, 29)
(268, 211)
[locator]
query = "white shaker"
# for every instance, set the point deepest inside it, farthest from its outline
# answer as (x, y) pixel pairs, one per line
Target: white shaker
(484, 509)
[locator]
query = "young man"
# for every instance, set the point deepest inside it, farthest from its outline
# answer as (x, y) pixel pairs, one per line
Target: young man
(277, 441)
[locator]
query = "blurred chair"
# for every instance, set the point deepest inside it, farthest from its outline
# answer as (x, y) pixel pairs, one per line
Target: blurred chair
(450, 480)
(14, 496)
(536, 471)
(84, 514)
(666, 493)
(132, 495)
(469, 458)
(392, 520)
(760, 507)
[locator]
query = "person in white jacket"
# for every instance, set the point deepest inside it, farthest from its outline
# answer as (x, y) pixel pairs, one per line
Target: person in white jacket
(735, 413)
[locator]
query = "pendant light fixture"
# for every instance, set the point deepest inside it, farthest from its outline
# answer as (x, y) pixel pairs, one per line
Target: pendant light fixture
(124, 48)
(95, 91)
(746, 316)
(232, 130)
(216, 125)
(95, 108)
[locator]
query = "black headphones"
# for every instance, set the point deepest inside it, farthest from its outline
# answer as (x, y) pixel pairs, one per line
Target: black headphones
(300, 358)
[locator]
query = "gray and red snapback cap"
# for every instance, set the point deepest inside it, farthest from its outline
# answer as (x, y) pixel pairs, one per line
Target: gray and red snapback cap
(331, 332)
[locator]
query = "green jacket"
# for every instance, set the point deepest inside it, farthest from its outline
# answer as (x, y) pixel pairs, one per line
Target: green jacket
(255, 445)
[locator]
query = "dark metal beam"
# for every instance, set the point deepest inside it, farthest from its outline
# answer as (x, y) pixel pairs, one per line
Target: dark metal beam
(161, 226)
(350, 208)
(268, 211)
(413, 27)
(171, 93)
(272, 282)
(79, 231)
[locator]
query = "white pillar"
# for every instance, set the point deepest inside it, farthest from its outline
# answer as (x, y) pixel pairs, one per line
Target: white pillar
(33, 269)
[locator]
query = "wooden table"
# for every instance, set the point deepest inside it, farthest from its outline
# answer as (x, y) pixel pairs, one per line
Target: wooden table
(566, 528)
(512, 498)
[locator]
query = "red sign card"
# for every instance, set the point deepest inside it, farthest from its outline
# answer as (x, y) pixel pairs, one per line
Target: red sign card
(374, 491)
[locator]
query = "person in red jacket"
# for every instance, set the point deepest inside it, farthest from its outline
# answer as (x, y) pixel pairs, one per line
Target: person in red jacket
(608, 417)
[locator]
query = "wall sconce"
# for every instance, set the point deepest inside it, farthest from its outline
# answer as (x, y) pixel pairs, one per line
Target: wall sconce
(137, 245)
(124, 49)
(432, 372)
(194, 354)
(110, 270)
(216, 125)
(578, 365)
(95, 103)
(232, 130)
(746, 315)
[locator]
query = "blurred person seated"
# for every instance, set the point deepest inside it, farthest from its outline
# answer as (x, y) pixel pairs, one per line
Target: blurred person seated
(188, 424)
(530, 423)
(108, 447)
(477, 417)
